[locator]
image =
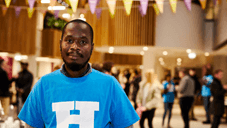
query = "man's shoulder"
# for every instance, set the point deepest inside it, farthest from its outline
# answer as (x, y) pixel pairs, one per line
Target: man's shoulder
(51, 75)
(99, 74)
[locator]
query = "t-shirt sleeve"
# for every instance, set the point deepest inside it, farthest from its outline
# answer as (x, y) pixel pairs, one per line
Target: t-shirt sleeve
(122, 112)
(31, 111)
(165, 84)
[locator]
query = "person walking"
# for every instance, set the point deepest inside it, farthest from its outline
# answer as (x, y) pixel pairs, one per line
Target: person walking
(148, 98)
(186, 95)
(192, 73)
(218, 91)
(168, 98)
(206, 94)
(135, 87)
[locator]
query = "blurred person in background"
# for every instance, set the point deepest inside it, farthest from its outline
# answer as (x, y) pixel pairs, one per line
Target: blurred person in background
(107, 66)
(192, 73)
(148, 98)
(97, 66)
(23, 84)
(168, 97)
(127, 84)
(135, 86)
(122, 79)
(206, 93)
(4, 88)
(218, 92)
(185, 90)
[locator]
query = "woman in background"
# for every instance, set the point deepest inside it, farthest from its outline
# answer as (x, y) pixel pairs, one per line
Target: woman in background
(148, 98)
(168, 98)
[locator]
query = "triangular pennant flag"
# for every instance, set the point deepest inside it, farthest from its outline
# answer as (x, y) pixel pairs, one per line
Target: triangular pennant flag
(98, 12)
(111, 5)
(14, 1)
(26, 1)
(156, 9)
(160, 5)
(173, 4)
(128, 5)
(7, 3)
(17, 11)
(52, 2)
(214, 1)
(203, 3)
(70, 11)
(56, 12)
(74, 4)
(30, 12)
(4, 10)
(141, 11)
(143, 6)
(31, 3)
(92, 4)
(188, 4)
(98, 1)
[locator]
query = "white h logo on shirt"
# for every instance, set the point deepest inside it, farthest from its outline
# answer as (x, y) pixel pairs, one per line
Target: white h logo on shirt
(85, 119)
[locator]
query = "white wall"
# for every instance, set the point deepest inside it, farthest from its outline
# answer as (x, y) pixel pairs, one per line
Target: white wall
(221, 24)
(183, 29)
(208, 36)
(44, 68)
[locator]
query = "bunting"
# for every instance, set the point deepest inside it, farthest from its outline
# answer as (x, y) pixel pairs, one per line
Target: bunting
(160, 5)
(111, 4)
(203, 3)
(188, 4)
(173, 4)
(31, 3)
(155, 6)
(74, 4)
(56, 12)
(4, 10)
(30, 12)
(128, 5)
(7, 3)
(17, 11)
(98, 12)
(143, 6)
(92, 4)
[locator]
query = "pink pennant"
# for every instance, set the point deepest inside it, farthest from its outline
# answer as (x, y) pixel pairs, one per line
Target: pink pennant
(56, 12)
(98, 12)
(214, 1)
(17, 11)
(141, 11)
(92, 4)
(31, 3)
(144, 4)
(188, 4)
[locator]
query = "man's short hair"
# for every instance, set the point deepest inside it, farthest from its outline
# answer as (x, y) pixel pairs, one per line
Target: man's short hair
(168, 75)
(217, 71)
(1, 61)
(78, 21)
(107, 66)
(183, 70)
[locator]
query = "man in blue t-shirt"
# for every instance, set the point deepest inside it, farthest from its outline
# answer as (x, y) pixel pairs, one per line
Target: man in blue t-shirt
(168, 98)
(77, 96)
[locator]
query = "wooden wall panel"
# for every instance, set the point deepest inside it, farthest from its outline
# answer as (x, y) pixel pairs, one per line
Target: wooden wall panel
(120, 59)
(123, 30)
(17, 34)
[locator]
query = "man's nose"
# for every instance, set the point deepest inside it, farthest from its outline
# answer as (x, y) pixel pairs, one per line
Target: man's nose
(75, 45)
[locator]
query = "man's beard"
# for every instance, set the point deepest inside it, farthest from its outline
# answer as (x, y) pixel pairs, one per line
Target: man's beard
(75, 66)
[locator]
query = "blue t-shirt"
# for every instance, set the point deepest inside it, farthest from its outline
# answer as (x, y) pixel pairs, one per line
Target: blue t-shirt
(96, 100)
(169, 96)
(206, 88)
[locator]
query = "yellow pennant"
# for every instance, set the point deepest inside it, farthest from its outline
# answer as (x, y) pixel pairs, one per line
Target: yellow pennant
(30, 12)
(160, 5)
(156, 9)
(4, 10)
(203, 3)
(70, 11)
(26, 1)
(7, 3)
(173, 4)
(128, 5)
(73, 4)
(111, 5)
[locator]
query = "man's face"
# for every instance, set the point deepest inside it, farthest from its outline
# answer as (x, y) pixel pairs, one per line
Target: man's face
(76, 46)
(220, 75)
(191, 72)
(181, 74)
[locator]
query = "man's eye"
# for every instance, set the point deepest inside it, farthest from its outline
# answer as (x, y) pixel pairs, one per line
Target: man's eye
(82, 42)
(69, 40)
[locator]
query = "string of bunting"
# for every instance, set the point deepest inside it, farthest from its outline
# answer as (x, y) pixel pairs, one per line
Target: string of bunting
(158, 6)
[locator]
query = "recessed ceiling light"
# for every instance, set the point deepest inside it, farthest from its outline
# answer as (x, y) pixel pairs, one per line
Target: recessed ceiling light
(145, 48)
(111, 49)
(66, 15)
(192, 55)
(207, 53)
(165, 53)
(45, 1)
(161, 59)
(162, 63)
(188, 50)
(142, 53)
(56, 8)
(178, 63)
(179, 59)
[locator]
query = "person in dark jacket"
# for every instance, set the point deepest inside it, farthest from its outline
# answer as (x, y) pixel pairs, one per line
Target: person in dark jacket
(4, 88)
(23, 83)
(135, 82)
(192, 73)
(218, 91)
